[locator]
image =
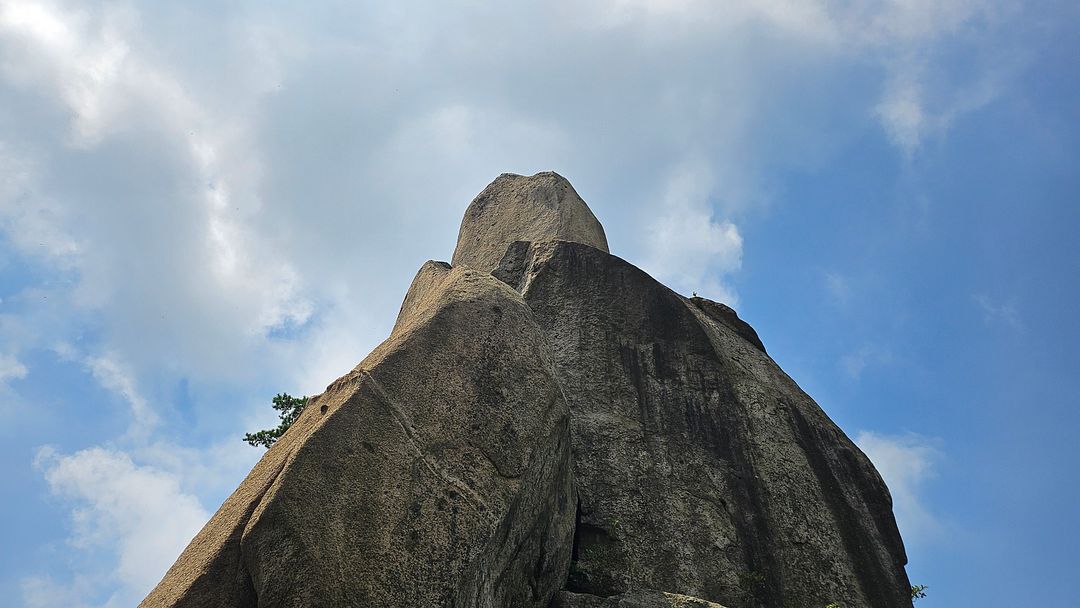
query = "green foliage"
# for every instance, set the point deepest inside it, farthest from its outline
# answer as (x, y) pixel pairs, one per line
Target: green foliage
(289, 409)
(917, 592)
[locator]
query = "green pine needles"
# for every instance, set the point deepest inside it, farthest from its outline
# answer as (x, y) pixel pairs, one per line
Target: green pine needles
(289, 409)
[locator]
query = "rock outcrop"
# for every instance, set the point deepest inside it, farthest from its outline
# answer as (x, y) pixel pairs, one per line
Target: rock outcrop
(549, 425)
(701, 468)
(436, 473)
(542, 207)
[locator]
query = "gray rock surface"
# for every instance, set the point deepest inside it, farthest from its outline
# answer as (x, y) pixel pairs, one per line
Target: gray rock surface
(701, 467)
(725, 315)
(638, 598)
(439, 472)
(518, 208)
(436, 473)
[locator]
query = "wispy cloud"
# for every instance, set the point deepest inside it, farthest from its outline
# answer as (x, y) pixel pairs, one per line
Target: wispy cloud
(245, 201)
(915, 41)
(170, 251)
(999, 312)
(911, 111)
(906, 463)
(839, 287)
(114, 376)
(138, 515)
(854, 363)
(11, 368)
(250, 204)
(689, 247)
(35, 224)
(902, 113)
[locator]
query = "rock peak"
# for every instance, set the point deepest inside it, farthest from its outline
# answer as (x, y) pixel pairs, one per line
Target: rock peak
(540, 207)
(561, 432)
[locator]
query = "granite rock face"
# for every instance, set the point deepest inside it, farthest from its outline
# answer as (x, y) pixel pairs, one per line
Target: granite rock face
(701, 468)
(644, 598)
(436, 473)
(547, 425)
(512, 208)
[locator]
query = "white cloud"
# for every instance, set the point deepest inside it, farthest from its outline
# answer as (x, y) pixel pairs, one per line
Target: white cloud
(212, 471)
(902, 115)
(689, 247)
(138, 514)
(996, 312)
(910, 115)
(914, 39)
(34, 224)
(905, 462)
(88, 65)
(908, 38)
(235, 198)
(11, 368)
(839, 287)
(150, 271)
(114, 376)
(795, 18)
(46, 592)
(242, 209)
(857, 361)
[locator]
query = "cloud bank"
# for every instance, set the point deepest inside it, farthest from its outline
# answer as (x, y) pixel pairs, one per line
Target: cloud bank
(233, 198)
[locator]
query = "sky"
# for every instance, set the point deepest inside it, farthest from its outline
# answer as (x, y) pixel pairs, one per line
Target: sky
(203, 204)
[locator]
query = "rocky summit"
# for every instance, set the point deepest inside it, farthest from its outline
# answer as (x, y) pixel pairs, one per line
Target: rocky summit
(549, 426)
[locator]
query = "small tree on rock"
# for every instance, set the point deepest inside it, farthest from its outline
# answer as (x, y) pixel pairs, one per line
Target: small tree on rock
(289, 409)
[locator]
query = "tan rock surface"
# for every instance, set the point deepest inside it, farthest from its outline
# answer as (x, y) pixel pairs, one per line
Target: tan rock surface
(541, 207)
(439, 472)
(436, 473)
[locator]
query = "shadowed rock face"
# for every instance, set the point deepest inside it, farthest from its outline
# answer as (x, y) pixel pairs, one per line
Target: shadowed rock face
(439, 472)
(701, 467)
(641, 598)
(517, 208)
(436, 473)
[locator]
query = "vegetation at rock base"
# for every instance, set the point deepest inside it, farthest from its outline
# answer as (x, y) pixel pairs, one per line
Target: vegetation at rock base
(917, 592)
(289, 409)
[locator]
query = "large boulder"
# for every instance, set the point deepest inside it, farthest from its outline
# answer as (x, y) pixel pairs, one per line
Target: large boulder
(439, 471)
(436, 473)
(701, 467)
(512, 208)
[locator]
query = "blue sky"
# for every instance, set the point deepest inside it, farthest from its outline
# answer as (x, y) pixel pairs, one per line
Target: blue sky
(204, 205)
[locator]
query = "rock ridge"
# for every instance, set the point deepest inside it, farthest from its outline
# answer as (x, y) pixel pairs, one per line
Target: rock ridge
(402, 485)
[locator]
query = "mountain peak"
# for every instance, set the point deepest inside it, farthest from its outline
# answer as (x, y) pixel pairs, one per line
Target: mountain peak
(540, 207)
(548, 426)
